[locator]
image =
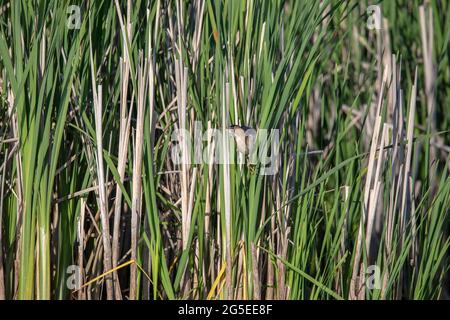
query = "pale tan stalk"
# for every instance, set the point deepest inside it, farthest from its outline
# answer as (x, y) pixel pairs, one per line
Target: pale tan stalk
(427, 36)
(136, 200)
(102, 201)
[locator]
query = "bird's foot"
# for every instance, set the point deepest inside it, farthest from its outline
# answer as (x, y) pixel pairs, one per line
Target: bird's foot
(251, 168)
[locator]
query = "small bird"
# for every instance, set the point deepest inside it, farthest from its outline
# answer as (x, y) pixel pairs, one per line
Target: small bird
(244, 137)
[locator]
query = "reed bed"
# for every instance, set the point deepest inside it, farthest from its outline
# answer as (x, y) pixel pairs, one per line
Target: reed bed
(102, 197)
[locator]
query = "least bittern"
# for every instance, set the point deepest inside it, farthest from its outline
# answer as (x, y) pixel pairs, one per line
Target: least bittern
(245, 139)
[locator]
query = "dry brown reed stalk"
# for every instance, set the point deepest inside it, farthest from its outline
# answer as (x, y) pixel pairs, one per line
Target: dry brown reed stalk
(136, 199)
(227, 192)
(102, 200)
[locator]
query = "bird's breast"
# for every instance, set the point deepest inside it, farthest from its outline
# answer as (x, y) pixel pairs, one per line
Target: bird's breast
(241, 144)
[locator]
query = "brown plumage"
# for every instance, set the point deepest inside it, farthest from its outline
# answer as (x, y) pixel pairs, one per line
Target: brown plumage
(244, 137)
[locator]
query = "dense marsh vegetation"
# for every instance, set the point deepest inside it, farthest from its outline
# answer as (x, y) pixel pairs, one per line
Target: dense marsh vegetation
(93, 205)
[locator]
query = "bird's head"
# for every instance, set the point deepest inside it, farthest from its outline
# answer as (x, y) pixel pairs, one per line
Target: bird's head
(232, 129)
(235, 129)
